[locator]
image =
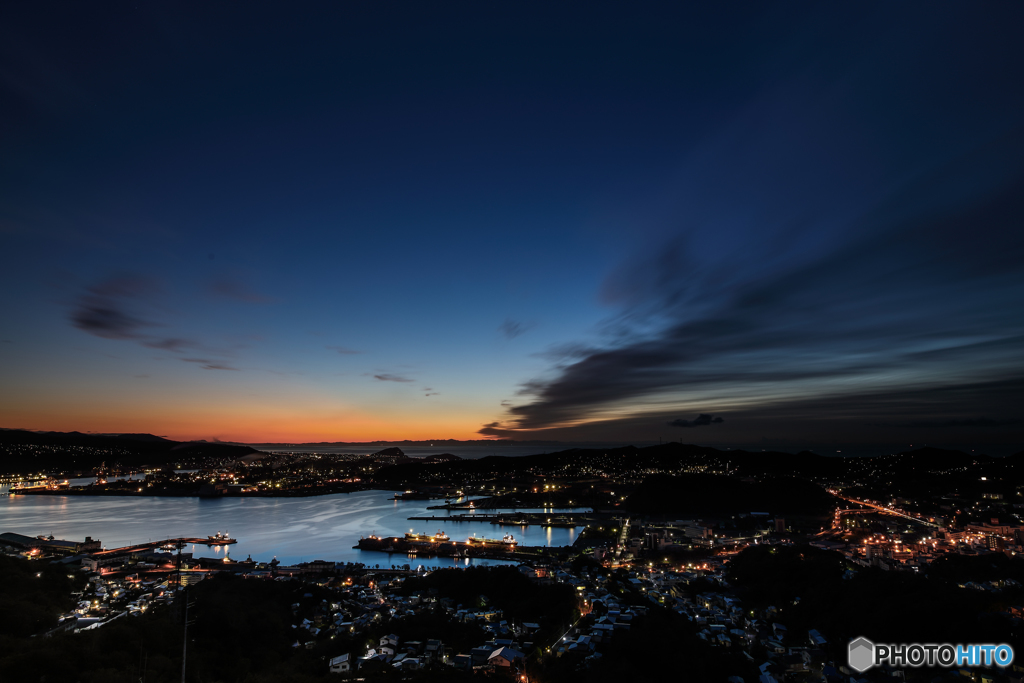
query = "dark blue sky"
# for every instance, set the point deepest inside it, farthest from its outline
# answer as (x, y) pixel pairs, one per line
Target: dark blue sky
(590, 221)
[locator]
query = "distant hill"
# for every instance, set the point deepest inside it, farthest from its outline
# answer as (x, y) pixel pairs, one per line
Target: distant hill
(397, 452)
(622, 460)
(409, 443)
(140, 437)
(27, 452)
(63, 438)
(911, 470)
(440, 457)
(708, 494)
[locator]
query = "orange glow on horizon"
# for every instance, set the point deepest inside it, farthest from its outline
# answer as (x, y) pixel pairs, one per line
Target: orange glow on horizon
(371, 432)
(292, 423)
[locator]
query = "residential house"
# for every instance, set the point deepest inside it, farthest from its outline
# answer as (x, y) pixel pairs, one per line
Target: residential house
(434, 651)
(342, 664)
(505, 656)
(479, 655)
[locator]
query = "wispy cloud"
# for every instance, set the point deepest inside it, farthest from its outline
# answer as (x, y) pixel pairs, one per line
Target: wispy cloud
(103, 310)
(891, 415)
(858, 290)
(171, 344)
(110, 309)
(207, 364)
(514, 328)
(218, 366)
(702, 420)
(343, 350)
(106, 319)
(386, 377)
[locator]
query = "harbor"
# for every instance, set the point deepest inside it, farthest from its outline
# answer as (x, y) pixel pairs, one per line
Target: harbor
(292, 530)
(440, 545)
(515, 519)
(166, 544)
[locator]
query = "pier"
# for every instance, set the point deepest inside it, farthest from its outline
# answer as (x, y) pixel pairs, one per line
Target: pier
(525, 519)
(417, 550)
(152, 545)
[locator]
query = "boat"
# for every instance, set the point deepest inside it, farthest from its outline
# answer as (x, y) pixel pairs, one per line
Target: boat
(371, 542)
(220, 539)
(507, 541)
(412, 495)
(439, 537)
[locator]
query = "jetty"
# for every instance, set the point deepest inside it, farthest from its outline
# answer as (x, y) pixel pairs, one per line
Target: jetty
(169, 542)
(522, 519)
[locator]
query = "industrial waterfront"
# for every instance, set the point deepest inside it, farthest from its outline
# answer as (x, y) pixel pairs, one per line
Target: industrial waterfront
(290, 529)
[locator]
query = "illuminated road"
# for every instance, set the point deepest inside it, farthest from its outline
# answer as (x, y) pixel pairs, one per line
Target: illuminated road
(887, 510)
(623, 537)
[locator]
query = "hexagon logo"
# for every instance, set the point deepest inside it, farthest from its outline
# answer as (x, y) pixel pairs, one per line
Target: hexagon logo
(861, 654)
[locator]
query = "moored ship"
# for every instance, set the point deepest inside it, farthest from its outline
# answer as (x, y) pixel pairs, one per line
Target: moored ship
(439, 537)
(438, 545)
(507, 541)
(220, 539)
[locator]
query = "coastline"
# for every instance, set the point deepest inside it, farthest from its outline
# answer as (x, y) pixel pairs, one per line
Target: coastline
(193, 493)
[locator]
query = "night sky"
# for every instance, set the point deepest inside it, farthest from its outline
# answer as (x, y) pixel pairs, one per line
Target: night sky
(762, 223)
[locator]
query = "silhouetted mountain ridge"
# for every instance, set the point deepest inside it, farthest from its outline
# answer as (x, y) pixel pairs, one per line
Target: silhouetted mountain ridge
(676, 458)
(24, 451)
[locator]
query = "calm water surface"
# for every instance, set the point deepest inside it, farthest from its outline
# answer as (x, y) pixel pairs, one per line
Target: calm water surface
(291, 529)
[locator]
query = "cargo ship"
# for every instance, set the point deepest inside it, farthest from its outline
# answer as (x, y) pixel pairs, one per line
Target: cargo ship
(220, 539)
(507, 541)
(439, 537)
(438, 545)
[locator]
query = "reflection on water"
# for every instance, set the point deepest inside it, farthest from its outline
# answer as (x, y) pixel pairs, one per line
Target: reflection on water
(291, 529)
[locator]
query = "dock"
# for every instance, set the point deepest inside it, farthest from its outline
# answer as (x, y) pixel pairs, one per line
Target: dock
(563, 520)
(152, 545)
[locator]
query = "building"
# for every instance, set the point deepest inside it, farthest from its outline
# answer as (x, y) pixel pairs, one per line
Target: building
(505, 656)
(341, 664)
(49, 545)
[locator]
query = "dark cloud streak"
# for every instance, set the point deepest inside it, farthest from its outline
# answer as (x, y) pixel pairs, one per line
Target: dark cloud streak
(922, 272)
(344, 351)
(107, 310)
(104, 318)
(209, 364)
(514, 328)
(702, 420)
(387, 377)
(897, 417)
